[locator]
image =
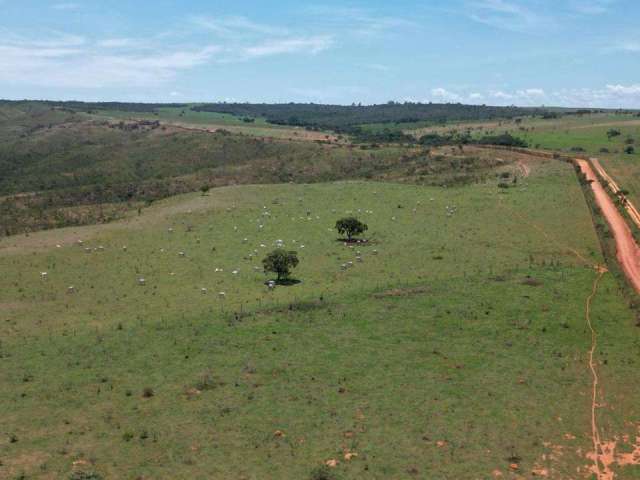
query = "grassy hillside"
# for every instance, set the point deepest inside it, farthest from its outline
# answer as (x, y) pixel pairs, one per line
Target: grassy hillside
(457, 351)
(64, 167)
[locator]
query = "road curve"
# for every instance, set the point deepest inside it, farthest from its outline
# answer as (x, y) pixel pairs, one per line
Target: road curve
(627, 250)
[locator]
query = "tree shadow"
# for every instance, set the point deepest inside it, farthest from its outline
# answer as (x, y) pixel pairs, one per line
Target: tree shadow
(355, 241)
(284, 282)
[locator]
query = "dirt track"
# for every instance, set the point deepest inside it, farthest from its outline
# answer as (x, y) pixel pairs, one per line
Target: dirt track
(627, 250)
(615, 188)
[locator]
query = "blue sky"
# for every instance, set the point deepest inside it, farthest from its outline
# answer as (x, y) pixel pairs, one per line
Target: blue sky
(498, 52)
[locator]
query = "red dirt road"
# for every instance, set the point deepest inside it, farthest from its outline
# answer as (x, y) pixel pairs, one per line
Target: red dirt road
(628, 205)
(627, 250)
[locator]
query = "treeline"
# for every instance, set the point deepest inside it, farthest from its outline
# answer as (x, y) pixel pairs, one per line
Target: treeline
(345, 119)
(503, 140)
(95, 106)
(436, 139)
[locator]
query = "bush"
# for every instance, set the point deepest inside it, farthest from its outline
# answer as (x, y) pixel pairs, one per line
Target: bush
(504, 140)
(613, 133)
(629, 150)
(322, 473)
(85, 476)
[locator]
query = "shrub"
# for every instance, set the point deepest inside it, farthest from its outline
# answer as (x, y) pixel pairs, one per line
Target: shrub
(613, 133)
(322, 473)
(629, 150)
(147, 392)
(505, 140)
(80, 475)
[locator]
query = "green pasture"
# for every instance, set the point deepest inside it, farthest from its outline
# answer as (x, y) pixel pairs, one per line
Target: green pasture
(457, 347)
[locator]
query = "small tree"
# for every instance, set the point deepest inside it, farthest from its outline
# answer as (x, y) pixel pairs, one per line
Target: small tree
(350, 226)
(204, 189)
(629, 150)
(280, 261)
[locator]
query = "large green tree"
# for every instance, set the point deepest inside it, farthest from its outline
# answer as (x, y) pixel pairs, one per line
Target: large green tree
(280, 262)
(351, 226)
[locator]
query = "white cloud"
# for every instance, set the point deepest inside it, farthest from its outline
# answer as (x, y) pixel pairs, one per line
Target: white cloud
(442, 94)
(592, 7)
(376, 66)
(624, 89)
(66, 6)
(75, 64)
(310, 45)
(628, 46)
(328, 94)
(508, 15)
(236, 27)
(57, 59)
(501, 95)
(116, 42)
(360, 22)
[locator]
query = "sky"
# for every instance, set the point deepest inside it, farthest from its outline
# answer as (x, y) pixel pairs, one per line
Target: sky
(580, 53)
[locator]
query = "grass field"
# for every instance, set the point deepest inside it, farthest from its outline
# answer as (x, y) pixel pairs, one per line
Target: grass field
(581, 135)
(458, 351)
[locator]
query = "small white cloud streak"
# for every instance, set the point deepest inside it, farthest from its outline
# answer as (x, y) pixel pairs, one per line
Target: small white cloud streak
(444, 95)
(236, 27)
(310, 45)
(66, 6)
(508, 15)
(592, 7)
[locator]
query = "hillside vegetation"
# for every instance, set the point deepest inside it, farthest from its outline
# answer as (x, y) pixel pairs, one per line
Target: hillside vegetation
(61, 166)
(340, 118)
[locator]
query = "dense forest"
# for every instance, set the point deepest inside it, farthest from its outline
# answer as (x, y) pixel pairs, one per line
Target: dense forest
(345, 119)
